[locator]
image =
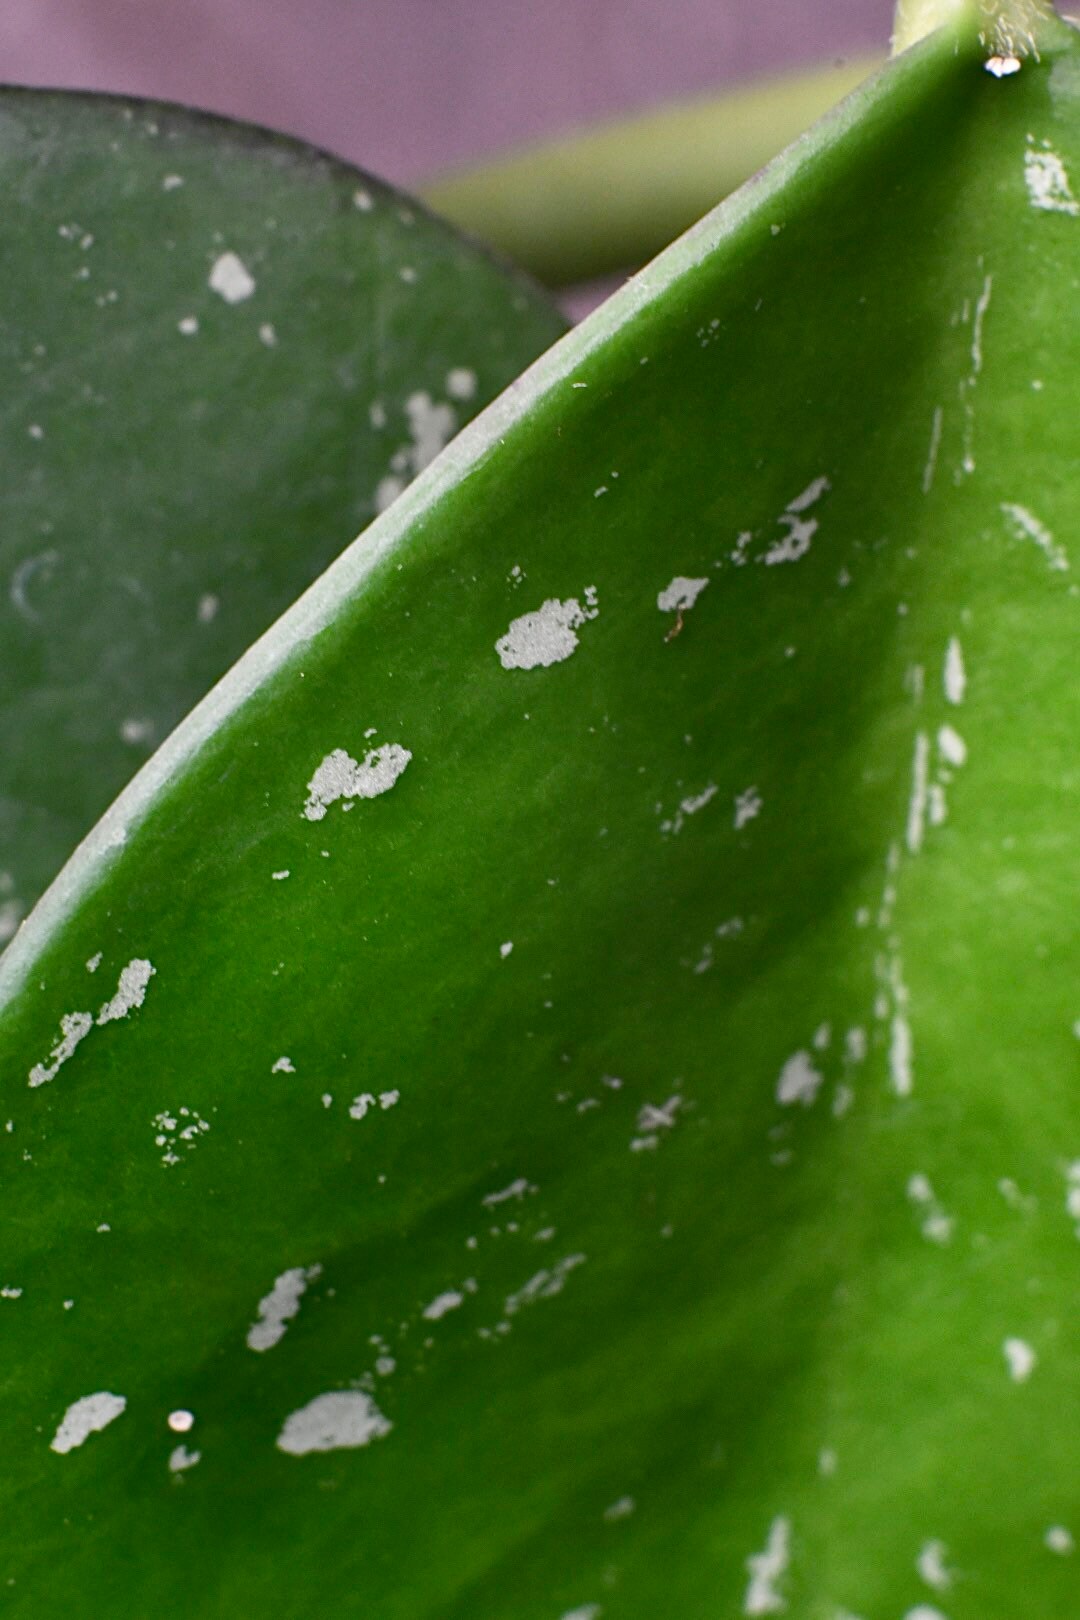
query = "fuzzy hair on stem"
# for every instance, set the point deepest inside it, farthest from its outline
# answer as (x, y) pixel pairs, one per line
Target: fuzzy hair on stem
(1006, 28)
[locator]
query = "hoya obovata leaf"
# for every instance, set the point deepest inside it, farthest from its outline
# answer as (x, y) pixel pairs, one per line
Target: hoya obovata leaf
(222, 351)
(614, 943)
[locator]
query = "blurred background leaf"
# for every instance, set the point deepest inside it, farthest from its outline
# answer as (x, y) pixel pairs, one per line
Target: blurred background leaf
(223, 352)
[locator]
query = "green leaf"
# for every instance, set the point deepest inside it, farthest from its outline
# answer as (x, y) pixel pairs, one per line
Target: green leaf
(659, 1102)
(222, 350)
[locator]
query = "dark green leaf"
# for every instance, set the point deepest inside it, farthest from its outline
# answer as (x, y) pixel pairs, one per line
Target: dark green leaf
(221, 351)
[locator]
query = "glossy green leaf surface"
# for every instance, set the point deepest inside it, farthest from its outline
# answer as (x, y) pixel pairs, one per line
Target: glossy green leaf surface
(564, 1069)
(222, 352)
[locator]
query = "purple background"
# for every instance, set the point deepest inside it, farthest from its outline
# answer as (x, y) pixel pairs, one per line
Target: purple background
(407, 87)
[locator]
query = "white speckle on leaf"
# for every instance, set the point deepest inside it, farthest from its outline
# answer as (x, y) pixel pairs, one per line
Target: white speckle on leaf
(1059, 1540)
(547, 636)
(680, 595)
(134, 732)
(952, 746)
(461, 383)
(84, 1418)
(800, 530)
(206, 611)
(188, 326)
(517, 1189)
(653, 1118)
(935, 1225)
(544, 1285)
(810, 495)
(931, 1567)
(388, 1099)
(799, 1081)
(698, 801)
(1026, 526)
(172, 182)
(1003, 67)
(1048, 183)
(1072, 1178)
(387, 491)
(11, 912)
(432, 426)
(748, 805)
(982, 305)
(279, 1306)
(658, 1118)
(279, 877)
(359, 1106)
(901, 1056)
(284, 1065)
(180, 1459)
(916, 821)
(339, 1421)
(443, 1304)
(1020, 1359)
(506, 948)
(268, 335)
(767, 1569)
(10, 1292)
(742, 544)
(363, 200)
(130, 991)
(1012, 1195)
(181, 1421)
(622, 1509)
(954, 675)
(73, 1028)
(689, 807)
(915, 682)
(584, 1611)
(231, 279)
(923, 1611)
(174, 1130)
(341, 777)
(930, 468)
(856, 1045)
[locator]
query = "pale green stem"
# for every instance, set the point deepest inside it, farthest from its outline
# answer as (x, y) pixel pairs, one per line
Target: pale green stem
(1005, 27)
(611, 198)
(917, 18)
